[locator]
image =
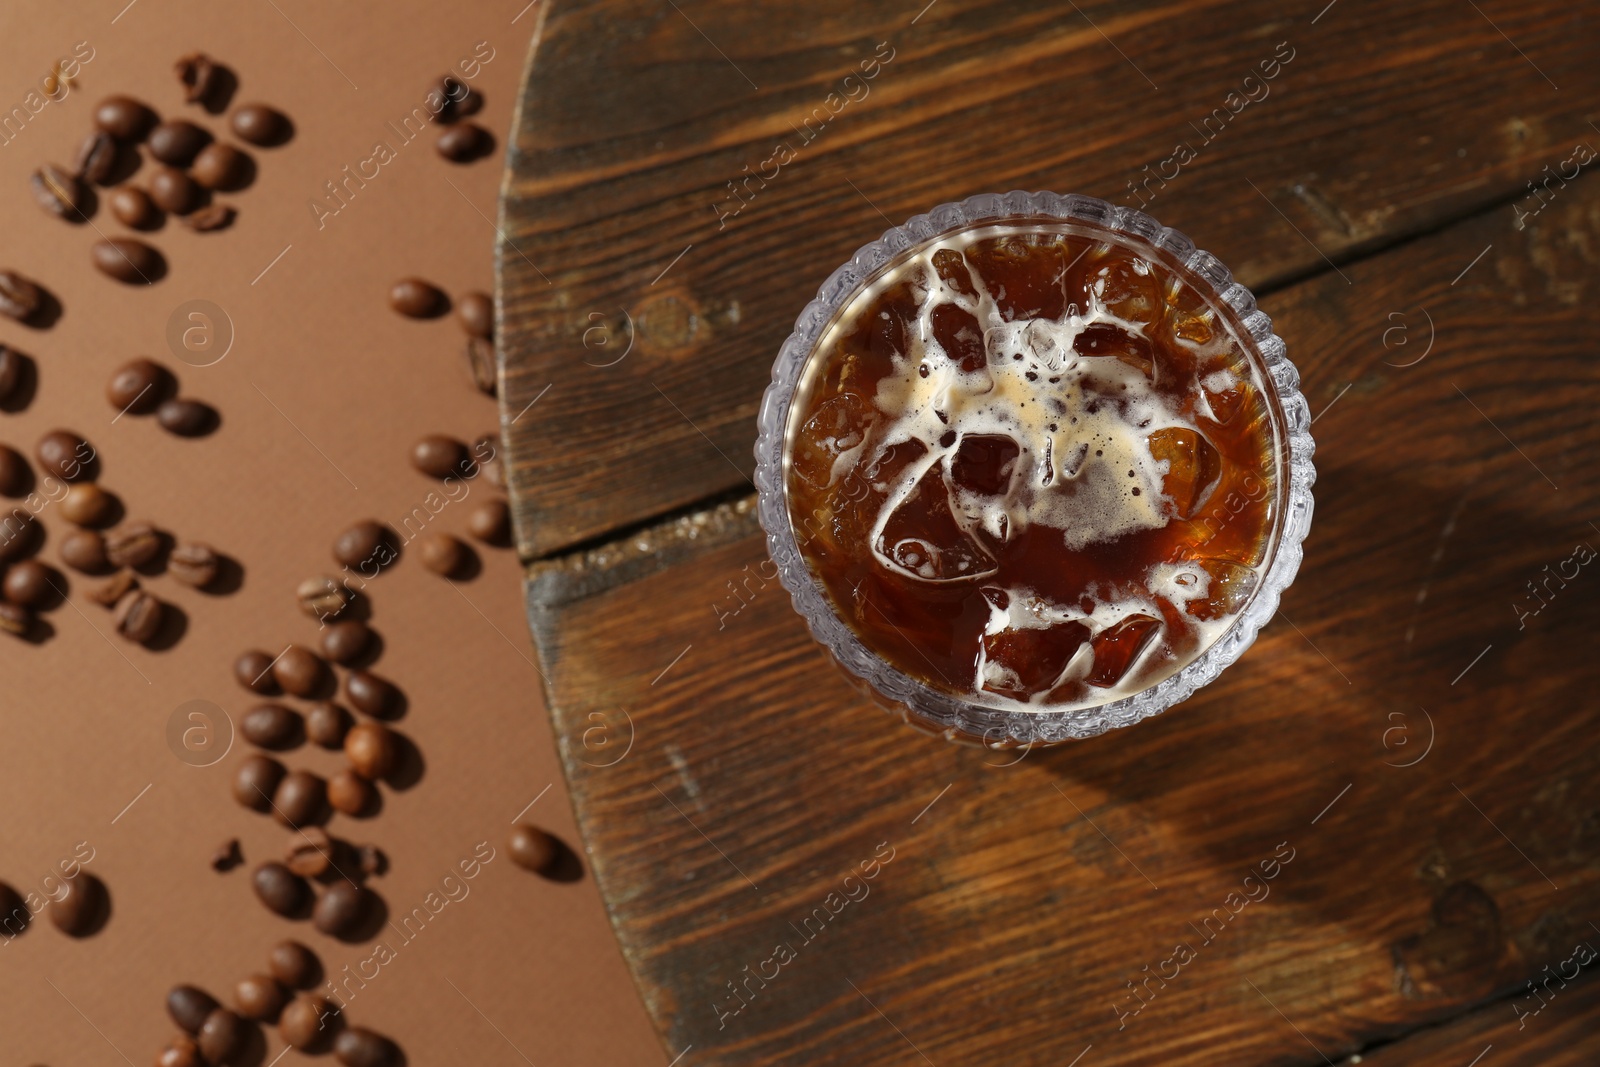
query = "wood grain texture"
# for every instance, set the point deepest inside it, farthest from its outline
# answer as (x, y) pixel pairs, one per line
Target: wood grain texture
(651, 312)
(1416, 729)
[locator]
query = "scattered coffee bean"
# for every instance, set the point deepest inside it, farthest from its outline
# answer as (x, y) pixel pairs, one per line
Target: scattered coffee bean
(175, 191)
(128, 261)
(299, 671)
(301, 799)
(180, 1052)
(490, 522)
(367, 546)
(486, 453)
(456, 99)
(84, 550)
(30, 584)
(279, 888)
(464, 143)
(20, 299)
(80, 905)
(272, 726)
(371, 859)
(341, 910)
(210, 218)
(110, 592)
(345, 641)
(326, 725)
(416, 299)
(475, 312)
(221, 166)
(259, 997)
(18, 535)
(15, 620)
(136, 387)
(227, 856)
(177, 142)
(439, 456)
(194, 564)
(64, 454)
(60, 192)
(368, 693)
(350, 793)
(97, 158)
(138, 616)
(124, 118)
(185, 417)
(189, 1007)
(222, 1038)
(253, 670)
(481, 366)
(133, 544)
(302, 1023)
(355, 1047)
(310, 853)
(86, 504)
(532, 848)
(260, 125)
(372, 749)
(322, 598)
(444, 554)
(256, 781)
(15, 476)
(294, 965)
(202, 77)
(13, 365)
(133, 207)
(14, 913)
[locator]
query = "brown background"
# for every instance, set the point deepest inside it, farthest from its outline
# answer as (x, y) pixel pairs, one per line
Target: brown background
(85, 727)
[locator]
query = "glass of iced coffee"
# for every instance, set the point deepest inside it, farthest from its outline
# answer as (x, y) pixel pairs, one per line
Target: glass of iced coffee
(1033, 467)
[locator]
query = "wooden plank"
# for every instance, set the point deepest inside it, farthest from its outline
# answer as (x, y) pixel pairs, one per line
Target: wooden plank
(651, 312)
(1415, 731)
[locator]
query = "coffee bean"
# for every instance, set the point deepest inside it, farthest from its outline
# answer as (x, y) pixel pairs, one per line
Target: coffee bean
(64, 454)
(367, 546)
(222, 1038)
(86, 504)
(272, 726)
(180, 1052)
(310, 853)
(128, 261)
(464, 143)
(110, 592)
(475, 312)
(322, 598)
(481, 366)
(20, 299)
(299, 671)
(221, 166)
(80, 906)
(30, 584)
(301, 799)
(14, 913)
(372, 749)
(355, 1047)
(457, 100)
(444, 554)
(371, 859)
(532, 848)
(136, 387)
(19, 533)
(341, 910)
(185, 417)
(438, 456)
(138, 616)
(256, 781)
(486, 453)
(124, 118)
(326, 725)
(15, 476)
(261, 125)
(350, 793)
(84, 550)
(416, 299)
(253, 670)
(194, 564)
(202, 77)
(177, 142)
(97, 158)
(59, 192)
(345, 641)
(13, 365)
(189, 1007)
(133, 544)
(306, 1022)
(368, 693)
(133, 207)
(175, 191)
(294, 965)
(259, 997)
(15, 620)
(227, 856)
(279, 888)
(490, 522)
(210, 218)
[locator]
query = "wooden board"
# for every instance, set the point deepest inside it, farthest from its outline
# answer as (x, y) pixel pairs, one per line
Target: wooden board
(644, 313)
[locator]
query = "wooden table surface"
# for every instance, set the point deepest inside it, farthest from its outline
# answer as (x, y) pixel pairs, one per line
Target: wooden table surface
(1403, 767)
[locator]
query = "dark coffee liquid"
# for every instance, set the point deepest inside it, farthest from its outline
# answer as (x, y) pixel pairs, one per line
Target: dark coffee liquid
(1033, 465)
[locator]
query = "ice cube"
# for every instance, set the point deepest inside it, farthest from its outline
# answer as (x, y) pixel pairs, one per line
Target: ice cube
(921, 538)
(1129, 289)
(983, 464)
(951, 267)
(1193, 467)
(1021, 663)
(1224, 394)
(958, 332)
(1116, 648)
(839, 427)
(1229, 586)
(1106, 339)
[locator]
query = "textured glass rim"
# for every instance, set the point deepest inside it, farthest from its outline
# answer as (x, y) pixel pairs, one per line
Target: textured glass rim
(918, 703)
